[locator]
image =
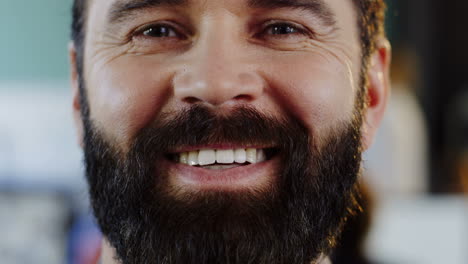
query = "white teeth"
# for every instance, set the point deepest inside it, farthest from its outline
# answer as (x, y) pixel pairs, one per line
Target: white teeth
(225, 156)
(261, 155)
(193, 158)
(251, 155)
(183, 158)
(207, 157)
(240, 156)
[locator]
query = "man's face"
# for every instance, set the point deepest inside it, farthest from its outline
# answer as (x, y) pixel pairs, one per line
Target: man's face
(223, 54)
(242, 116)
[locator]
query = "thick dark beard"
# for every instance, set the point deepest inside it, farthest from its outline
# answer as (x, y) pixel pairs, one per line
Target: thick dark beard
(295, 220)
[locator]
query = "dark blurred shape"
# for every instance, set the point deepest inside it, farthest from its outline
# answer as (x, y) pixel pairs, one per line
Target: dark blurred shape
(350, 249)
(463, 171)
(436, 31)
(456, 126)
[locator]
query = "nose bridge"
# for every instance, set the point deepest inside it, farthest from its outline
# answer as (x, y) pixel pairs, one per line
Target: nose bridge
(215, 61)
(217, 72)
(217, 43)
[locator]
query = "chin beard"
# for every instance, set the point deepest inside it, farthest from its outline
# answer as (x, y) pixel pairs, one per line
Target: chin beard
(294, 220)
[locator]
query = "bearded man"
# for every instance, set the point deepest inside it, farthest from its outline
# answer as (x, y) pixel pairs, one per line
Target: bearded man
(226, 131)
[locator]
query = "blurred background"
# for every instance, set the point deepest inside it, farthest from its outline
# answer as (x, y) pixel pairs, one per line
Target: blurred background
(417, 171)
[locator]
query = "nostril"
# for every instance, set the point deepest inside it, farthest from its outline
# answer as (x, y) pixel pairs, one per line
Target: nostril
(216, 89)
(243, 97)
(191, 100)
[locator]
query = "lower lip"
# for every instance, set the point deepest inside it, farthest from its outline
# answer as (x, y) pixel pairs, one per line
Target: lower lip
(251, 176)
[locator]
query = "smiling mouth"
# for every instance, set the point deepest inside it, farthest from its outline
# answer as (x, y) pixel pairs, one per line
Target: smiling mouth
(219, 159)
(222, 168)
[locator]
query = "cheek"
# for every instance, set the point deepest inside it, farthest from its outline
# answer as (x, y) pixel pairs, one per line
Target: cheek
(125, 95)
(319, 91)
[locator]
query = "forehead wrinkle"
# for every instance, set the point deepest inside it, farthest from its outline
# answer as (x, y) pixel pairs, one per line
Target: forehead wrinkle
(318, 8)
(124, 9)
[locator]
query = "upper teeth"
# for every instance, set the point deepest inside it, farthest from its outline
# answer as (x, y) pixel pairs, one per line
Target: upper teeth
(222, 156)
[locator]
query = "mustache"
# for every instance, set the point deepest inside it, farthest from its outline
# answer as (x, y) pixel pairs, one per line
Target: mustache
(200, 125)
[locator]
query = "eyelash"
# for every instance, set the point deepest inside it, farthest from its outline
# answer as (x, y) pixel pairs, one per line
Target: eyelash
(144, 30)
(297, 30)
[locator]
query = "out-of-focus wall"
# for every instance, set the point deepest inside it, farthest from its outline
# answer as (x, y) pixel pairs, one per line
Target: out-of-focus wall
(35, 93)
(33, 41)
(41, 180)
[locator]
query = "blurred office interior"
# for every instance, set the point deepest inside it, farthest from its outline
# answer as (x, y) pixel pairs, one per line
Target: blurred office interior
(417, 170)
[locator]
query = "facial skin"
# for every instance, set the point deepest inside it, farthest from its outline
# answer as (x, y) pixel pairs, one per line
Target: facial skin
(223, 55)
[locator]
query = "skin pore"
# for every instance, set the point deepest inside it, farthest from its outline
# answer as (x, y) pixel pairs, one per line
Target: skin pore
(143, 59)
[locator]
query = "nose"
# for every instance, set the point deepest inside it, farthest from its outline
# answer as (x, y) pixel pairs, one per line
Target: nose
(218, 77)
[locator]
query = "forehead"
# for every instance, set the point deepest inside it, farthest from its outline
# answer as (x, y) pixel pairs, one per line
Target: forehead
(327, 10)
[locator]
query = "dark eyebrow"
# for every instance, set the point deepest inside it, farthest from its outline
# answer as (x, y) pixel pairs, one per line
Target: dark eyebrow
(318, 8)
(123, 9)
